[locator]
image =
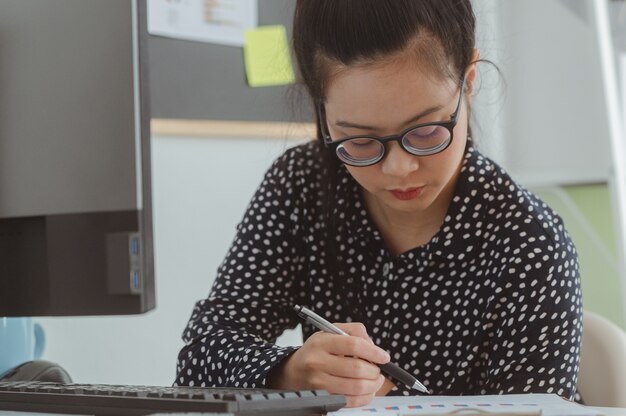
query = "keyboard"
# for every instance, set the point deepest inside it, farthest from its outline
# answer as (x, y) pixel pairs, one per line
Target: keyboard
(106, 399)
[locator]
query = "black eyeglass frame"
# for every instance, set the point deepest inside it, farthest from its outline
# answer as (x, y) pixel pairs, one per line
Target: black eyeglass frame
(449, 125)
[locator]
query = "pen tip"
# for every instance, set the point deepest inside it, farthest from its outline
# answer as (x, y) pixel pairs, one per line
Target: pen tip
(420, 387)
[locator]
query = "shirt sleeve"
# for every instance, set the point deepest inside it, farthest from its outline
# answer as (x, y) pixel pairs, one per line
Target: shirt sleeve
(229, 340)
(536, 321)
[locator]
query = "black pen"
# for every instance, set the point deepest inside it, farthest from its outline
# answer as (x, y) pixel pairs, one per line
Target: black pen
(390, 369)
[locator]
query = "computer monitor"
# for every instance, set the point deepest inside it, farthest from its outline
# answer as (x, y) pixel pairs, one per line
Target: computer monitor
(75, 182)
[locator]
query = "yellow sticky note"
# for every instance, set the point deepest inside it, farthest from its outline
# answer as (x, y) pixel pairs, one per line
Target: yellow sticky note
(266, 56)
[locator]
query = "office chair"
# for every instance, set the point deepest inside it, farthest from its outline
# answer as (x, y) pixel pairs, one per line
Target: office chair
(602, 377)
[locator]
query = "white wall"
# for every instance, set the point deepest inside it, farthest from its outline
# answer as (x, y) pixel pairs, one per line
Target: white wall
(544, 118)
(201, 188)
(489, 98)
(556, 125)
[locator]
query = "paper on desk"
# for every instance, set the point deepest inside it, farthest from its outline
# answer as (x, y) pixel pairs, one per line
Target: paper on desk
(510, 404)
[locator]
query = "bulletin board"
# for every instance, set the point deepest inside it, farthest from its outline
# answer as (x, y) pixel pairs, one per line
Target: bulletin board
(193, 80)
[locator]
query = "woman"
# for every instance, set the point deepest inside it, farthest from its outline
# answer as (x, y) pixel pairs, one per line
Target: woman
(393, 225)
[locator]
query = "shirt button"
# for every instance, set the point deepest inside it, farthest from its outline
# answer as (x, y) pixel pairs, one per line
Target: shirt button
(386, 269)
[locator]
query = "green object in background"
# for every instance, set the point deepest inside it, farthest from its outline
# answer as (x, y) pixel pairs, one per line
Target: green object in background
(266, 56)
(588, 215)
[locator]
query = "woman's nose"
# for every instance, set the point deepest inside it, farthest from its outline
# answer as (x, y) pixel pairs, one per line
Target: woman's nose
(398, 162)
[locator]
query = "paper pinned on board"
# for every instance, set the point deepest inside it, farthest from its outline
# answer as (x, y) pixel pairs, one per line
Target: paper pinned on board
(508, 404)
(215, 21)
(266, 56)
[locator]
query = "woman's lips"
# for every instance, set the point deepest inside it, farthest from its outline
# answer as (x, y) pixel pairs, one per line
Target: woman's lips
(406, 194)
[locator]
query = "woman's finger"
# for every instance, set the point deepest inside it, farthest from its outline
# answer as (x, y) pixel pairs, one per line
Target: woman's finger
(348, 386)
(355, 347)
(351, 367)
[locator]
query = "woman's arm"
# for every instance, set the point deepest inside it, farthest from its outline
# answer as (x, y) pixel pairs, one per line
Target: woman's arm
(537, 321)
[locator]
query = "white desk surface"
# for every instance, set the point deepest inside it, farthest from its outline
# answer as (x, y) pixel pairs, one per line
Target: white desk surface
(611, 411)
(608, 411)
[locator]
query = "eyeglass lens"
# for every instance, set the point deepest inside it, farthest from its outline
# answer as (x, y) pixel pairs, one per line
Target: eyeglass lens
(421, 141)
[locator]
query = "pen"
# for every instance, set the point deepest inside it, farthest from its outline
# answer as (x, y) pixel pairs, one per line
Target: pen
(390, 369)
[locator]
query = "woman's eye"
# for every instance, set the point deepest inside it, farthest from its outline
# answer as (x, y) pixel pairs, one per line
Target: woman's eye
(361, 142)
(425, 131)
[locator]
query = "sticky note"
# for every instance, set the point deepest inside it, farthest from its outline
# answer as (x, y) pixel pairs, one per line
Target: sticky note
(266, 56)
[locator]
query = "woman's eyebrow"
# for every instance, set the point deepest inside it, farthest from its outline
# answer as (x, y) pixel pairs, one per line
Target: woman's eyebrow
(351, 125)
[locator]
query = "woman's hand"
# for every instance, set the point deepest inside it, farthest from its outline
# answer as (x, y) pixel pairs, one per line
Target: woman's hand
(335, 363)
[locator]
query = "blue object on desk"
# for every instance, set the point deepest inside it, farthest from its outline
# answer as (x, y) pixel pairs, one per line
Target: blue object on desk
(21, 340)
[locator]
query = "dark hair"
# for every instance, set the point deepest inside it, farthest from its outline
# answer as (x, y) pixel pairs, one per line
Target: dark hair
(332, 34)
(349, 32)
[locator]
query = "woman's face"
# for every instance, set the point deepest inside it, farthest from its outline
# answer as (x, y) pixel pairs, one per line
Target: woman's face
(384, 100)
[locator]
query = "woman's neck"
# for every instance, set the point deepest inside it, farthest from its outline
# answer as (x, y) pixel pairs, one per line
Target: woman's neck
(403, 231)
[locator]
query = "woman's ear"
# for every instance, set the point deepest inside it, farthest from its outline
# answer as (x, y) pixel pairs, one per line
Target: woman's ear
(470, 76)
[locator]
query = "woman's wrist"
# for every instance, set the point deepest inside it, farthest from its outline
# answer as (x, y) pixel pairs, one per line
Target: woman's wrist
(277, 376)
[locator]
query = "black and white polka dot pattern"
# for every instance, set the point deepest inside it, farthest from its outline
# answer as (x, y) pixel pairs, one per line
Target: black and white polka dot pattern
(492, 304)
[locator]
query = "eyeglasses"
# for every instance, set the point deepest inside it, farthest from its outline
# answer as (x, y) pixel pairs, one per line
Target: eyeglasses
(421, 140)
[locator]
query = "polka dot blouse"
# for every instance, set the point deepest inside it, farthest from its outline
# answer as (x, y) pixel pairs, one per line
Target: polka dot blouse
(492, 304)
